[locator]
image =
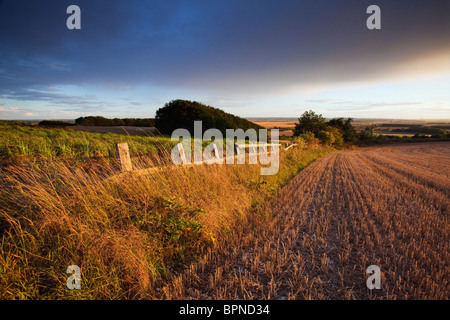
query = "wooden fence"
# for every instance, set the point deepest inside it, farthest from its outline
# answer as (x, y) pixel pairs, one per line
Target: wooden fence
(123, 154)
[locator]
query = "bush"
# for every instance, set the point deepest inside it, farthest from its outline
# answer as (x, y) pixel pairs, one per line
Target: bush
(308, 137)
(182, 113)
(301, 142)
(325, 137)
(310, 122)
(345, 126)
(331, 136)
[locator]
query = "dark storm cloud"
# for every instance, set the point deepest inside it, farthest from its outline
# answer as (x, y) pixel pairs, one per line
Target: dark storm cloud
(246, 46)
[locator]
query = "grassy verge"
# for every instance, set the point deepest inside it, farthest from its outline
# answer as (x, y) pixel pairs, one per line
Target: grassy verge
(129, 234)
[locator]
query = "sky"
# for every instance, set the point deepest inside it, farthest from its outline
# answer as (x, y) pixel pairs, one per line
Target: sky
(252, 58)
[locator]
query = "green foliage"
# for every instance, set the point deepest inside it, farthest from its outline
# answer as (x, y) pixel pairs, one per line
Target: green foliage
(366, 139)
(348, 131)
(300, 142)
(331, 136)
(35, 142)
(182, 113)
(55, 123)
(177, 226)
(308, 137)
(101, 121)
(310, 122)
(419, 129)
(13, 123)
(334, 132)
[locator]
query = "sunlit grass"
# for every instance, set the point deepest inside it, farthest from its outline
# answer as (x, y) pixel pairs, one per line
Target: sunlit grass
(128, 233)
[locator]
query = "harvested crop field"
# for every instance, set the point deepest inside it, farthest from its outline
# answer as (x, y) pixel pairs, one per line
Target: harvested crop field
(386, 206)
(285, 127)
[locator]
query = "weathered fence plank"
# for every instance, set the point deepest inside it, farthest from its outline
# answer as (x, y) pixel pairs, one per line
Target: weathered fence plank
(290, 146)
(123, 155)
(179, 149)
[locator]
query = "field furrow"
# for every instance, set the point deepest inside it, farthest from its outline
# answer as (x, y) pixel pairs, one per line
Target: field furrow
(345, 212)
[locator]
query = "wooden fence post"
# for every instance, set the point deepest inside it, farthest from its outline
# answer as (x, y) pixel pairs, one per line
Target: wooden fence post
(123, 155)
(216, 152)
(236, 149)
(180, 150)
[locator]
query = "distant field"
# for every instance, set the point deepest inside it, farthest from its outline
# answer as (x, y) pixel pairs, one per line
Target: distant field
(285, 127)
(408, 127)
(392, 127)
(381, 126)
(276, 124)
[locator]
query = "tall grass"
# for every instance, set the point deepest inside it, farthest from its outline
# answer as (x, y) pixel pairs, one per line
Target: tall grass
(128, 233)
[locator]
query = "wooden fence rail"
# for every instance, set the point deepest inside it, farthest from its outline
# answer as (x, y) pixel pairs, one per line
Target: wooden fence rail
(123, 154)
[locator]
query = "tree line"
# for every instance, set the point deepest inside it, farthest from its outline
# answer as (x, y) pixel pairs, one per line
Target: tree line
(101, 121)
(339, 131)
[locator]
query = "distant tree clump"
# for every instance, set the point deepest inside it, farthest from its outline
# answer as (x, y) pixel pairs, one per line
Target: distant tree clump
(349, 133)
(310, 122)
(101, 121)
(55, 123)
(333, 132)
(422, 130)
(179, 114)
(331, 136)
(14, 123)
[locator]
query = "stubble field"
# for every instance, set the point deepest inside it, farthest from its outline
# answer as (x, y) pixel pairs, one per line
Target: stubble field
(385, 206)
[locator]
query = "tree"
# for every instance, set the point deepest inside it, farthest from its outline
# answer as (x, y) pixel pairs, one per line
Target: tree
(348, 131)
(179, 114)
(310, 122)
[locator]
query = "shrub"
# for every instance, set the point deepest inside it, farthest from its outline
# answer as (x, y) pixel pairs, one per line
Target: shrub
(308, 137)
(182, 114)
(331, 136)
(310, 122)
(348, 132)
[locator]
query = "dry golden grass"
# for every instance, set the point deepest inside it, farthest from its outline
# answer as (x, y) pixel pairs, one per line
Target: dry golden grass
(210, 232)
(130, 235)
(385, 206)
